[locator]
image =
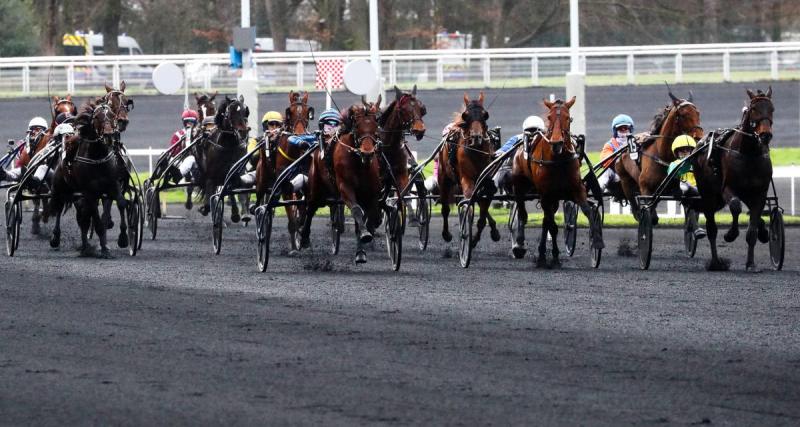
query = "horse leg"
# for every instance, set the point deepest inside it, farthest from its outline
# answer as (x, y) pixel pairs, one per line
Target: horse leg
(305, 230)
(244, 203)
(629, 188)
(107, 221)
(445, 201)
(361, 254)
(206, 208)
(56, 206)
(735, 206)
(122, 206)
(548, 215)
(84, 219)
(752, 234)
(595, 229)
(518, 248)
(100, 230)
(482, 219)
(35, 228)
(235, 217)
(716, 264)
(188, 203)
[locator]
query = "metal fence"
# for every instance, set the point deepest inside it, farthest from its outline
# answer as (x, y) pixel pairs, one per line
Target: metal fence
(427, 68)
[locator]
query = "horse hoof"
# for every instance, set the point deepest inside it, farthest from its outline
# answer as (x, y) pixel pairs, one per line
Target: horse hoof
(731, 235)
(109, 224)
(447, 236)
(763, 234)
(35, 228)
(203, 210)
(518, 252)
(122, 241)
(495, 235)
(188, 205)
(752, 268)
(246, 219)
(305, 243)
(598, 244)
(55, 242)
(361, 257)
(252, 209)
(105, 254)
(87, 252)
(555, 263)
(718, 265)
(365, 237)
(541, 262)
(235, 218)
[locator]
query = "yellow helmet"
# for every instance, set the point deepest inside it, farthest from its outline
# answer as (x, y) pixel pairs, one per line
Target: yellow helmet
(683, 141)
(272, 116)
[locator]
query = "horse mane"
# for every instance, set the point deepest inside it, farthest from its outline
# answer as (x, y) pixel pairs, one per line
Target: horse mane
(221, 112)
(386, 113)
(659, 118)
(85, 113)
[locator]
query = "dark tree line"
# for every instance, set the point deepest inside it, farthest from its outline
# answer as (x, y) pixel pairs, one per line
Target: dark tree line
(29, 27)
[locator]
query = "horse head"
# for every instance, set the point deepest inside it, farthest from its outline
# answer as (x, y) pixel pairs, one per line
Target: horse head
(410, 110)
(206, 107)
(757, 116)
(362, 120)
(119, 103)
(104, 123)
(473, 121)
(63, 105)
(683, 118)
(298, 114)
(558, 124)
(232, 116)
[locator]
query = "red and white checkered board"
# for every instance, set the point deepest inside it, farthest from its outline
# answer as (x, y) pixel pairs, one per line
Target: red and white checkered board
(334, 67)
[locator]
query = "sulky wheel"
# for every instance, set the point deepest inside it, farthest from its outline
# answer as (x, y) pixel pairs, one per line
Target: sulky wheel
(597, 221)
(152, 207)
(133, 218)
(689, 225)
(337, 226)
(263, 234)
(217, 222)
(777, 245)
(570, 226)
(466, 216)
(13, 223)
(140, 225)
(394, 223)
(645, 238)
(424, 211)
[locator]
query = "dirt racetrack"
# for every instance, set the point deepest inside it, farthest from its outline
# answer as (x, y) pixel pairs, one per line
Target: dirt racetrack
(179, 336)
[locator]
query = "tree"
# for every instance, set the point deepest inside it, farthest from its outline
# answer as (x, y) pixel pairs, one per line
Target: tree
(109, 25)
(16, 22)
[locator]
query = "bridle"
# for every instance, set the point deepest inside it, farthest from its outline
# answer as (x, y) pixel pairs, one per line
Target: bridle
(566, 140)
(475, 112)
(752, 125)
(410, 116)
(358, 140)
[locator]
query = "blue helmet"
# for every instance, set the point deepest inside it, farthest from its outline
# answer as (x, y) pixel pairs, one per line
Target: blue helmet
(330, 115)
(621, 120)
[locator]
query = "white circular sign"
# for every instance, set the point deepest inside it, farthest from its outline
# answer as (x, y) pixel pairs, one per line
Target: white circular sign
(359, 77)
(167, 78)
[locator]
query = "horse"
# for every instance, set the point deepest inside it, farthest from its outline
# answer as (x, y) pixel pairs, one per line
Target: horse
(355, 176)
(461, 162)
(680, 117)
(738, 170)
(550, 165)
(281, 155)
(92, 173)
(60, 105)
(205, 105)
(223, 147)
(403, 114)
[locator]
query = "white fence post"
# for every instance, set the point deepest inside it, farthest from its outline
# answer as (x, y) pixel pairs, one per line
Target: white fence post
(678, 68)
(393, 72)
(115, 75)
(299, 76)
(207, 79)
(726, 66)
(487, 72)
(631, 73)
(439, 73)
(792, 188)
(773, 65)
(150, 160)
(71, 78)
(535, 70)
(26, 79)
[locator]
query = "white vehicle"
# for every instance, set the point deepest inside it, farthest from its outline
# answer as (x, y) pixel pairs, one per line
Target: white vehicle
(89, 44)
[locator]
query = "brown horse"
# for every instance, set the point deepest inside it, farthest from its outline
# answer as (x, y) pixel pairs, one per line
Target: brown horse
(739, 170)
(281, 155)
(92, 172)
(680, 117)
(205, 105)
(461, 162)
(549, 165)
(402, 115)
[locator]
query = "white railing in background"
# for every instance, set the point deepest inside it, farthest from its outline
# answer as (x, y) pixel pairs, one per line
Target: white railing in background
(433, 68)
(673, 209)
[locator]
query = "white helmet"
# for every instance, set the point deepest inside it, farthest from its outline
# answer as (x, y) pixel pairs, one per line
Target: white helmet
(533, 122)
(63, 129)
(37, 122)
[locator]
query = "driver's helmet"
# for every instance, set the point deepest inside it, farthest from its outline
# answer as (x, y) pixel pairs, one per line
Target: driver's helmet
(330, 116)
(683, 141)
(189, 118)
(271, 117)
(533, 123)
(63, 129)
(37, 122)
(621, 120)
(66, 117)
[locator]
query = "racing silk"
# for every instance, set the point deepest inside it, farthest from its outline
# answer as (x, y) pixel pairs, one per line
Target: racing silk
(685, 173)
(610, 148)
(509, 144)
(177, 143)
(31, 147)
(303, 141)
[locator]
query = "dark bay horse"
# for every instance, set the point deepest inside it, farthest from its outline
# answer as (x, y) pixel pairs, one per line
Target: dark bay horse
(120, 105)
(680, 117)
(279, 154)
(549, 165)
(739, 170)
(356, 177)
(461, 162)
(92, 173)
(402, 115)
(205, 105)
(224, 146)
